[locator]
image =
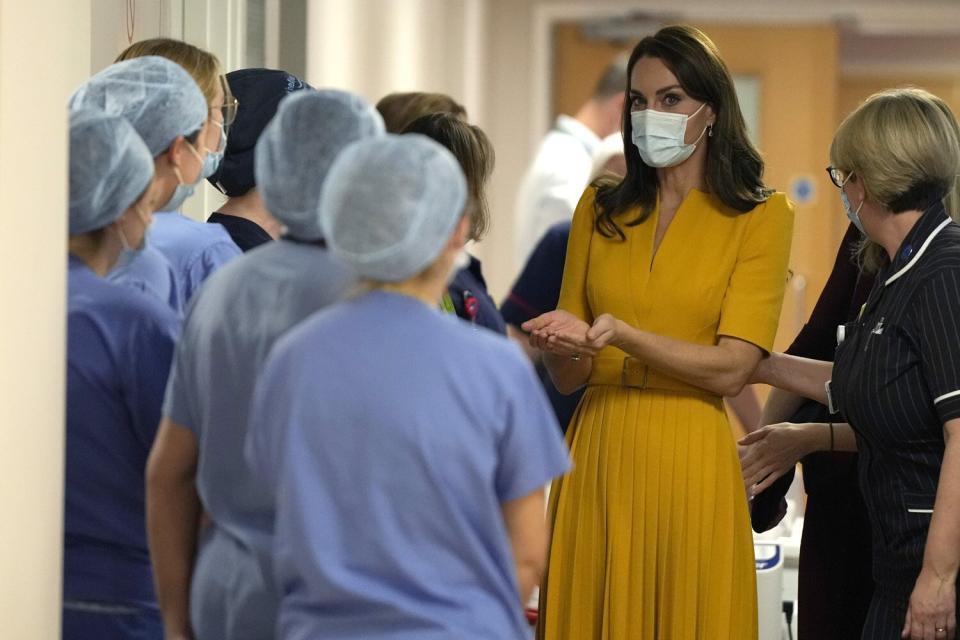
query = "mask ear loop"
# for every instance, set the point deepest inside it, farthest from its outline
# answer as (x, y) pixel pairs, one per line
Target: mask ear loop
(176, 169)
(862, 200)
(222, 142)
(196, 154)
(123, 239)
(176, 172)
(706, 130)
(142, 215)
(700, 137)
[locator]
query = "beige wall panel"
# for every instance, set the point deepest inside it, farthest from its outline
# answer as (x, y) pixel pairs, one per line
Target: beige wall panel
(44, 54)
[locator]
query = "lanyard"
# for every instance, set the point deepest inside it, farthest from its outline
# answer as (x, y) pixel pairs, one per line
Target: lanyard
(446, 304)
(471, 306)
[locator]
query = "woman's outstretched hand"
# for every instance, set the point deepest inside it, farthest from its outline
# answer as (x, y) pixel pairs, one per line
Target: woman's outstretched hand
(563, 333)
(559, 332)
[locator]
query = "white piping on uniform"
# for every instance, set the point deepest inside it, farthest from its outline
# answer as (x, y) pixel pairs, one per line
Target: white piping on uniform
(919, 253)
(919, 510)
(946, 395)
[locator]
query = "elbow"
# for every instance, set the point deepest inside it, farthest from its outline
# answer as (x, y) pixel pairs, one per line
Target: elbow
(163, 474)
(155, 475)
(536, 563)
(565, 387)
(533, 568)
(530, 573)
(731, 384)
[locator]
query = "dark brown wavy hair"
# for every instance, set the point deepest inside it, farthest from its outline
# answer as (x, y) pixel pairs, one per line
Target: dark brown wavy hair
(734, 172)
(473, 150)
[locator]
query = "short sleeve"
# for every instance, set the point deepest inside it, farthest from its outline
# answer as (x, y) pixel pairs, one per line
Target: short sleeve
(937, 321)
(531, 450)
(151, 273)
(573, 291)
(537, 290)
(179, 403)
(152, 345)
(751, 305)
(210, 259)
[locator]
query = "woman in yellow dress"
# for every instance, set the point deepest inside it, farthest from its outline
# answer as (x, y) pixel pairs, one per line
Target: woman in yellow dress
(672, 289)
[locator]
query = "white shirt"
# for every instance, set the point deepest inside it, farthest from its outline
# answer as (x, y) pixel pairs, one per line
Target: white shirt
(554, 182)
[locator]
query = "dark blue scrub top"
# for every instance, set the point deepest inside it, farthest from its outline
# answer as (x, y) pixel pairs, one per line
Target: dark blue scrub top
(246, 233)
(468, 291)
(119, 347)
(537, 291)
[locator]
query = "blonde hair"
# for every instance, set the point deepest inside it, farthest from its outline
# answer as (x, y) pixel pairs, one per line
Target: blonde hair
(203, 67)
(952, 200)
(904, 144)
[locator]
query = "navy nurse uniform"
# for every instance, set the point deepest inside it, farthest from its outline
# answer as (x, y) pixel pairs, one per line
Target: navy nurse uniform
(896, 378)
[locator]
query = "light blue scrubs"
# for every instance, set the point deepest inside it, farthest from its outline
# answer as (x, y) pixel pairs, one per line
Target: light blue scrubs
(153, 275)
(193, 249)
(392, 435)
(229, 329)
(119, 347)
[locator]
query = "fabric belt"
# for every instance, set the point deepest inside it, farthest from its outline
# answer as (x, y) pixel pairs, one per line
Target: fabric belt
(632, 373)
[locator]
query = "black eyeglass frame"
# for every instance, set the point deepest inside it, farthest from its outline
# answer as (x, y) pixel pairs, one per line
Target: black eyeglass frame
(837, 177)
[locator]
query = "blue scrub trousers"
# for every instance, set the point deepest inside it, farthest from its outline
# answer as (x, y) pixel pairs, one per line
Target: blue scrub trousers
(107, 623)
(229, 596)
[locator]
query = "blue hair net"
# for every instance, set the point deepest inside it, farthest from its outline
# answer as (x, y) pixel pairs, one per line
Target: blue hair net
(110, 167)
(391, 204)
(296, 149)
(156, 95)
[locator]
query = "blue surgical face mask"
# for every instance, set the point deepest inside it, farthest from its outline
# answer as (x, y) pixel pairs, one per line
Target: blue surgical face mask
(852, 216)
(184, 190)
(129, 253)
(213, 158)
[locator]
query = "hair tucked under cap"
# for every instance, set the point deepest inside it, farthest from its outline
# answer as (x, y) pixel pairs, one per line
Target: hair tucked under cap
(297, 148)
(157, 96)
(110, 167)
(258, 93)
(391, 204)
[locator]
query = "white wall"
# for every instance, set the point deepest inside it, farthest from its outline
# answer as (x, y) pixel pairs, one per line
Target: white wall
(375, 47)
(44, 54)
(218, 26)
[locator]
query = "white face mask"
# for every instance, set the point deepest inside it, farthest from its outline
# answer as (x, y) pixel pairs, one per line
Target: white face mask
(659, 136)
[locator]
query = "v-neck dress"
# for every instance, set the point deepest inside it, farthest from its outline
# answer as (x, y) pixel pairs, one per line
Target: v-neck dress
(651, 532)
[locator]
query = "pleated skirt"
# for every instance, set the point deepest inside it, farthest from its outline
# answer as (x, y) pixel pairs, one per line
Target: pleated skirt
(651, 531)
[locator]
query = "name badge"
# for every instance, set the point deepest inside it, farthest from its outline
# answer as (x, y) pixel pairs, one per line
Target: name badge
(830, 405)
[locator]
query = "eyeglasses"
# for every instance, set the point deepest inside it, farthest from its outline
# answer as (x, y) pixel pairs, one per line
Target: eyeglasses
(230, 104)
(837, 177)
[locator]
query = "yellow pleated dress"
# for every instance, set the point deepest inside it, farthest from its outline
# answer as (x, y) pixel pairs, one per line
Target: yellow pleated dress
(651, 531)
